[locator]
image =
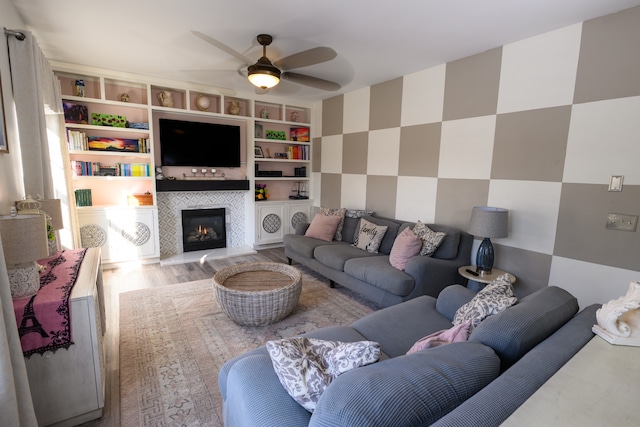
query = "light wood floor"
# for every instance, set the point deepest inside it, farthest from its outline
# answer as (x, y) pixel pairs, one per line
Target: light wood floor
(130, 277)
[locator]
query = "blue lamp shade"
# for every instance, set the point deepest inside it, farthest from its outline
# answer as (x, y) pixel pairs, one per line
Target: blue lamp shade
(487, 222)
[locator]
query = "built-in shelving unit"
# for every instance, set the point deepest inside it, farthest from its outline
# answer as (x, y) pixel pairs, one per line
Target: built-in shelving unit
(280, 131)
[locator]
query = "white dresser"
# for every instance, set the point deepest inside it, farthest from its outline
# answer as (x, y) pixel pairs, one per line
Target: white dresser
(67, 386)
(599, 386)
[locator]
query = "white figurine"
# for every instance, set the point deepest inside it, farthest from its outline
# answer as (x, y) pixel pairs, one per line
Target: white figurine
(619, 320)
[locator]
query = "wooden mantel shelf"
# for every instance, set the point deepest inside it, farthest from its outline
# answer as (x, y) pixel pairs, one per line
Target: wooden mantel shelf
(166, 185)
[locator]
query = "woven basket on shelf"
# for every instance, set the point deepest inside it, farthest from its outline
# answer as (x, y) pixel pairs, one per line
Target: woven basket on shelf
(258, 307)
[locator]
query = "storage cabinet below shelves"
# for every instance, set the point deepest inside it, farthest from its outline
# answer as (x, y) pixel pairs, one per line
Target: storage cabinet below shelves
(124, 234)
(274, 219)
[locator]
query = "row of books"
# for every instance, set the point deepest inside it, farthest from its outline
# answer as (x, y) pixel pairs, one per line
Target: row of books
(79, 141)
(83, 197)
(81, 168)
(298, 152)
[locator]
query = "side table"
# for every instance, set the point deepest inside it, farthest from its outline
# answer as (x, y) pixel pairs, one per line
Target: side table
(482, 278)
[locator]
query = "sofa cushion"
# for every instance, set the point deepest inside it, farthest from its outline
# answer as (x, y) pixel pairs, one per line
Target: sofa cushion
(389, 237)
(369, 236)
(304, 245)
(452, 298)
(357, 213)
(431, 240)
(448, 249)
(323, 227)
(406, 245)
(398, 327)
(518, 329)
(377, 271)
(306, 366)
(349, 229)
(337, 254)
(411, 390)
(335, 212)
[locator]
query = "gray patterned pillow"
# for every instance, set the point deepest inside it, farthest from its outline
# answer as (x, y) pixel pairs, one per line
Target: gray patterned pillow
(357, 213)
(306, 366)
(369, 236)
(431, 240)
(495, 297)
(335, 212)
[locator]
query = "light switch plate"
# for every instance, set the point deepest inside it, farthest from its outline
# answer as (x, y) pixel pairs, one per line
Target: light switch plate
(615, 184)
(622, 222)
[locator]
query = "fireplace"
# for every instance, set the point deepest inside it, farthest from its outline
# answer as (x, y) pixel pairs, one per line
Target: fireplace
(203, 229)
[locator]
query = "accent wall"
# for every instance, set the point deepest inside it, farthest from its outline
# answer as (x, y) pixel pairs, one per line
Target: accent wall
(537, 126)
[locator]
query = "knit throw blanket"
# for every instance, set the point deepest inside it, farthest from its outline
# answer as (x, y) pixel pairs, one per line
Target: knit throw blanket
(44, 319)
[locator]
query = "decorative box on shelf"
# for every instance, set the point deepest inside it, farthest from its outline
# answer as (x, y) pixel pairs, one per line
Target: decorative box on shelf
(140, 199)
(112, 120)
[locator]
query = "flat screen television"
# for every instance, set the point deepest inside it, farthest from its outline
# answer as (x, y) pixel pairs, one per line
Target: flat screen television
(185, 143)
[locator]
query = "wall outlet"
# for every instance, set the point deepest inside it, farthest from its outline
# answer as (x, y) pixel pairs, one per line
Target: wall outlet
(622, 222)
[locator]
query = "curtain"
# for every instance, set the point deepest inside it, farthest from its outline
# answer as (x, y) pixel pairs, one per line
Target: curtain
(15, 394)
(43, 142)
(38, 105)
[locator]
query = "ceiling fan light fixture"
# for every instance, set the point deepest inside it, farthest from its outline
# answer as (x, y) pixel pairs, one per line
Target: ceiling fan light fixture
(263, 74)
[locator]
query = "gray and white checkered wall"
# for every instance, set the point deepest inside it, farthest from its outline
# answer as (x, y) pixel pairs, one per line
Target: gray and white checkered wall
(537, 126)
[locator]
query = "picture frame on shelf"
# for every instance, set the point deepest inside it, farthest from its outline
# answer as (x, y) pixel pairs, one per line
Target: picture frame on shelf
(258, 154)
(259, 131)
(4, 147)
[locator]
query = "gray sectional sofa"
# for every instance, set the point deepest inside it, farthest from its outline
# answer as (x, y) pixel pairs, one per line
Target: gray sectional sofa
(479, 382)
(371, 274)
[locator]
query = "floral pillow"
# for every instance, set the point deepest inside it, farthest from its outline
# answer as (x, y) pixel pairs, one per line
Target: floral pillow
(357, 213)
(369, 236)
(306, 366)
(335, 212)
(431, 240)
(495, 297)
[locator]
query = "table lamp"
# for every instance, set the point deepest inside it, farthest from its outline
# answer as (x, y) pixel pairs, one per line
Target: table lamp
(53, 211)
(24, 240)
(487, 222)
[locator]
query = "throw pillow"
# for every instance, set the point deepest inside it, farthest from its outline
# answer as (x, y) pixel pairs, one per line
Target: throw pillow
(357, 213)
(306, 366)
(456, 334)
(406, 245)
(323, 227)
(339, 213)
(369, 236)
(495, 297)
(430, 239)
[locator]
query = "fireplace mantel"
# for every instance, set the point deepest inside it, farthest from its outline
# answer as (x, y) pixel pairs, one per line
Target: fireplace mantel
(166, 185)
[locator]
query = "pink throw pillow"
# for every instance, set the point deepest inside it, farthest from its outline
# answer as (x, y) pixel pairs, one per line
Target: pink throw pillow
(456, 334)
(406, 245)
(323, 227)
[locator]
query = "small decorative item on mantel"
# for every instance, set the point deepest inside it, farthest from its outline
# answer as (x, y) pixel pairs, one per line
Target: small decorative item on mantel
(261, 192)
(125, 97)
(264, 113)
(295, 116)
(165, 98)
(203, 103)
(234, 108)
(619, 320)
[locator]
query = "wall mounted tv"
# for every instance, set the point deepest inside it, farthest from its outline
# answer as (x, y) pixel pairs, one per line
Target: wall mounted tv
(184, 143)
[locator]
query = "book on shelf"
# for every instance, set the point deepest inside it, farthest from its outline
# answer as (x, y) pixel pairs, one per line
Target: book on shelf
(82, 168)
(83, 197)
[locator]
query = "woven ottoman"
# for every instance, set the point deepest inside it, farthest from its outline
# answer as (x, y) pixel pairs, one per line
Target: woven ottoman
(258, 293)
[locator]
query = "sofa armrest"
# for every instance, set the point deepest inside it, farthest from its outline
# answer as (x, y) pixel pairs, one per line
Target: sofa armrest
(415, 389)
(301, 228)
(432, 275)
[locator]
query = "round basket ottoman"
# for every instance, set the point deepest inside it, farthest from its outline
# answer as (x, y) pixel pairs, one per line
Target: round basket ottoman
(258, 293)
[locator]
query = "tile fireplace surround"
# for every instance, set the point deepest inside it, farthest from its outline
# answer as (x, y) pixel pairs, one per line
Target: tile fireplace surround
(171, 204)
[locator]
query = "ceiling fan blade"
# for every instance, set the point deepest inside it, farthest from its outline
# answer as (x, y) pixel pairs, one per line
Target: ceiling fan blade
(314, 82)
(306, 58)
(223, 47)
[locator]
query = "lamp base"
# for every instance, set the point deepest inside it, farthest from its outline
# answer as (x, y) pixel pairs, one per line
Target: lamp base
(485, 257)
(24, 280)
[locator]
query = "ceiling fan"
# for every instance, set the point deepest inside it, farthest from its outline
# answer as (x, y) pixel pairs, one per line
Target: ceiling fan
(264, 74)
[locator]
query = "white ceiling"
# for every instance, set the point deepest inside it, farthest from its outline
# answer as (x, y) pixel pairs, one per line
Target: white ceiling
(376, 40)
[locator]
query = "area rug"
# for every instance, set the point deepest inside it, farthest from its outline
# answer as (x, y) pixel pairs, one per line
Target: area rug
(174, 339)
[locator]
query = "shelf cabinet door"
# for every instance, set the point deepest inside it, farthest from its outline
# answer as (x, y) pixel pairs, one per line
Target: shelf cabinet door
(298, 212)
(270, 223)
